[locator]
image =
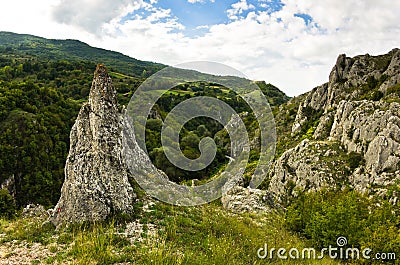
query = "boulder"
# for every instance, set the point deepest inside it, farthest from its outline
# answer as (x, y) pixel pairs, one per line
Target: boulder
(239, 200)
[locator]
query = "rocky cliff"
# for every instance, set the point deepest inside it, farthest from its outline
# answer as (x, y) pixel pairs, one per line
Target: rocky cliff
(96, 177)
(351, 127)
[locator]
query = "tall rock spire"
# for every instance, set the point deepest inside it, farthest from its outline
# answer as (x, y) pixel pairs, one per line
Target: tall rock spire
(96, 177)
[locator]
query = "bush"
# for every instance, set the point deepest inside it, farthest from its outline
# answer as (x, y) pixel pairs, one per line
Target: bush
(376, 95)
(394, 90)
(372, 82)
(154, 125)
(324, 216)
(355, 160)
(7, 204)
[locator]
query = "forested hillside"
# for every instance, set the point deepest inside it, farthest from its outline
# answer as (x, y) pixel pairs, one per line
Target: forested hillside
(74, 50)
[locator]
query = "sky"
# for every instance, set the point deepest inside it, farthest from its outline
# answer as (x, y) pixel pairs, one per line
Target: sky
(292, 44)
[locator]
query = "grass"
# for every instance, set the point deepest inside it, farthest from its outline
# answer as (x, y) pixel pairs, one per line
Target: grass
(26, 229)
(205, 234)
(176, 92)
(119, 75)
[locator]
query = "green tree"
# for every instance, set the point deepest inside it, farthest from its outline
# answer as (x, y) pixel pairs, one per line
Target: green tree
(7, 204)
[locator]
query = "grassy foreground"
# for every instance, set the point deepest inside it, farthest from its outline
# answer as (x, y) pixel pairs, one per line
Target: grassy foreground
(206, 234)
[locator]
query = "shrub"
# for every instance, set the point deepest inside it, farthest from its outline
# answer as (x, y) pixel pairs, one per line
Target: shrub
(372, 82)
(7, 204)
(394, 90)
(355, 160)
(324, 216)
(154, 125)
(376, 95)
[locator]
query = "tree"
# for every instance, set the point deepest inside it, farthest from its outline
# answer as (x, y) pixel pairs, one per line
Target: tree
(7, 204)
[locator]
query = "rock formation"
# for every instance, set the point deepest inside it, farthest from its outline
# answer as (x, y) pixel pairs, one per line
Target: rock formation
(348, 80)
(239, 200)
(96, 177)
(9, 184)
(358, 116)
(308, 166)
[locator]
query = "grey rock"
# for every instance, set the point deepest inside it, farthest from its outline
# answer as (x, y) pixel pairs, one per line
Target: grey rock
(242, 144)
(306, 167)
(154, 114)
(365, 127)
(232, 182)
(369, 128)
(9, 184)
(96, 177)
(345, 80)
(240, 199)
(316, 100)
(34, 210)
(324, 127)
(392, 72)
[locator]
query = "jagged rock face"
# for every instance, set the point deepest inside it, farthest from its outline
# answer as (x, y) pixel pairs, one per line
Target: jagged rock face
(350, 73)
(96, 177)
(347, 75)
(392, 72)
(316, 100)
(340, 70)
(370, 128)
(307, 167)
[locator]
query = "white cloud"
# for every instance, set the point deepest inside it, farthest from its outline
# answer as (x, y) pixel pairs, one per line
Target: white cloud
(35, 17)
(91, 15)
(199, 1)
(203, 27)
(238, 8)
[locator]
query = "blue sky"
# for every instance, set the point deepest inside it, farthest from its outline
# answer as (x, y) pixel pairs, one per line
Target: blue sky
(198, 15)
(193, 15)
(292, 44)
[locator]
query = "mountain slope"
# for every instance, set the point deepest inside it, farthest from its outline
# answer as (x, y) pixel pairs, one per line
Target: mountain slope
(71, 50)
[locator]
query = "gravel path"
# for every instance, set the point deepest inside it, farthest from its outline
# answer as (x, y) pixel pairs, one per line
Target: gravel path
(24, 253)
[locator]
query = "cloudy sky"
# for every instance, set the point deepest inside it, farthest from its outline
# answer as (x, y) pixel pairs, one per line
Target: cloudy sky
(290, 43)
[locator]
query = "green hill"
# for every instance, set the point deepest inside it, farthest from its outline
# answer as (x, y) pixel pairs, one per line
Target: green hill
(73, 50)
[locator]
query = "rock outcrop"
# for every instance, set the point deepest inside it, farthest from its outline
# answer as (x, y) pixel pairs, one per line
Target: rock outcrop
(9, 184)
(308, 167)
(239, 200)
(96, 176)
(32, 210)
(354, 121)
(371, 128)
(350, 79)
